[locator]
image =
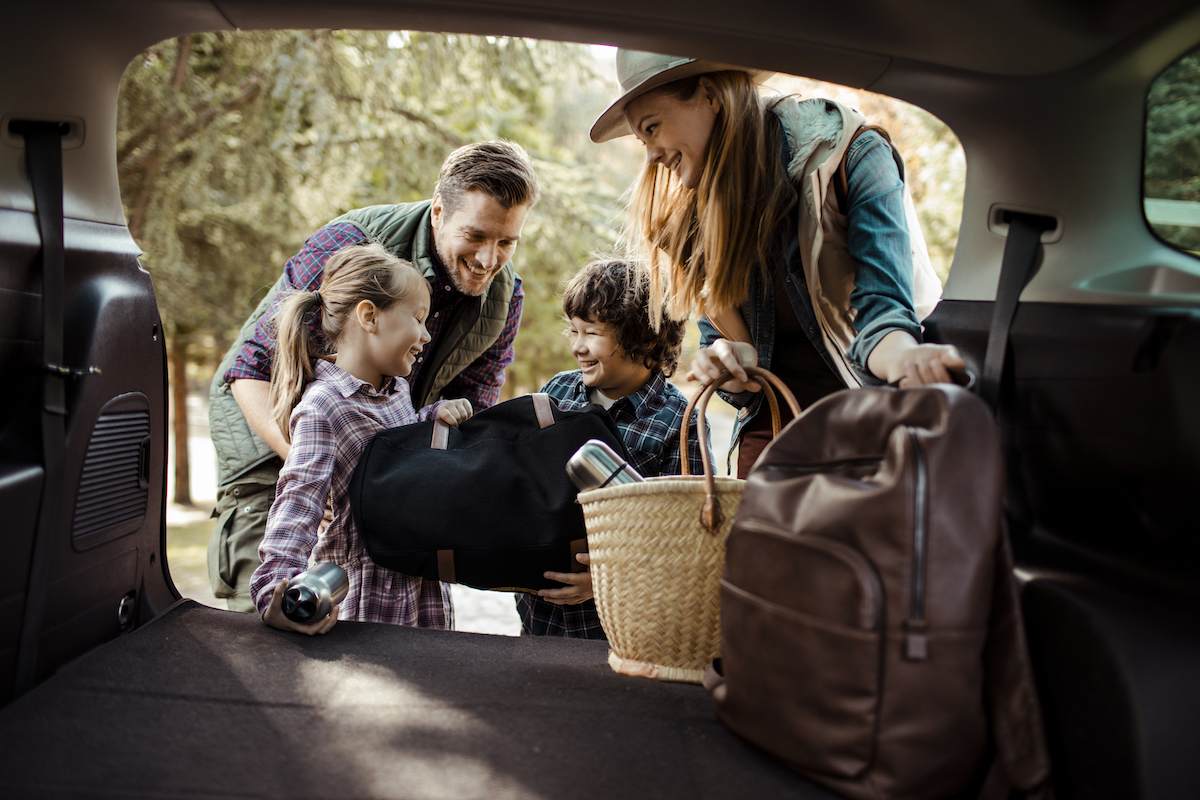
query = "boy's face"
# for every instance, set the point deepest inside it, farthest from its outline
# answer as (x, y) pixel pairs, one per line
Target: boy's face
(603, 361)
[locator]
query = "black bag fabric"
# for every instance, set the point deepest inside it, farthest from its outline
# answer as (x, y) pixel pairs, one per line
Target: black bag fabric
(487, 504)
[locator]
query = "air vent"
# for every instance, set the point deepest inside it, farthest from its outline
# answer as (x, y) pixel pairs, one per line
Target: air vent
(113, 491)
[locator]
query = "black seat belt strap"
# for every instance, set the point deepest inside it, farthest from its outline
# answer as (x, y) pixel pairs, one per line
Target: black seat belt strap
(43, 158)
(1016, 269)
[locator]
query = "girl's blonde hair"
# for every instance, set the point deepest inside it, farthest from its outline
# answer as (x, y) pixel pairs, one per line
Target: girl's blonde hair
(700, 246)
(351, 275)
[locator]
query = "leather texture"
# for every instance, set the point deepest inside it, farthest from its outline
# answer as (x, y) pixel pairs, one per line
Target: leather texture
(871, 635)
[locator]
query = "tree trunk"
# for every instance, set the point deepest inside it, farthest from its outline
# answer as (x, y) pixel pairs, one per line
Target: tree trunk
(179, 394)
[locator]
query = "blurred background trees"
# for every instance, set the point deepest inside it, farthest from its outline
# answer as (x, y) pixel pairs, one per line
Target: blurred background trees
(1172, 168)
(234, 147)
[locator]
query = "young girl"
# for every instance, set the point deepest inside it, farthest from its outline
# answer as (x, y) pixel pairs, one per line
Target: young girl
(371, 307)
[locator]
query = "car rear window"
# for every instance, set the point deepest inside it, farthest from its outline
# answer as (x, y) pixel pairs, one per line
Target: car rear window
(1171, 190)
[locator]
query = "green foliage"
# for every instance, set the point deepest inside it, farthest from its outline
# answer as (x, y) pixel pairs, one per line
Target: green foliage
(234, 147)
(1172, 168)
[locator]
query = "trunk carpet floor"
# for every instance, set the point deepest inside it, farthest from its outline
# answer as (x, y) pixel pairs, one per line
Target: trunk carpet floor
(209, 703)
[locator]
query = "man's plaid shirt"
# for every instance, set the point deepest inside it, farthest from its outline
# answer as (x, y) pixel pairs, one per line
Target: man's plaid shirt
(649, 421)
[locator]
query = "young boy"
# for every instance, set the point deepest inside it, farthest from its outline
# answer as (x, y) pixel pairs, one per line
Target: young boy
(623, 366)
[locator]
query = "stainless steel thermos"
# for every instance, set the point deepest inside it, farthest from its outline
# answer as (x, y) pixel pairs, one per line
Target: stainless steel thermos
(311, 594)
(595, 465)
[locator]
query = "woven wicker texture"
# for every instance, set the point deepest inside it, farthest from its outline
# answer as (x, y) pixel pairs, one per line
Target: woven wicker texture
(658, 550)
(656, 571)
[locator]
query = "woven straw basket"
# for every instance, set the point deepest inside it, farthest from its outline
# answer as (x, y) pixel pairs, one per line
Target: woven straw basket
(657, 552)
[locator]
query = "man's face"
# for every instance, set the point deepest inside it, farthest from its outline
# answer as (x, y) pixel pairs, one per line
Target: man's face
(476, 240)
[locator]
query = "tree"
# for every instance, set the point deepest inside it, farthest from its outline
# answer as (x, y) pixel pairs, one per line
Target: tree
(1172, 167)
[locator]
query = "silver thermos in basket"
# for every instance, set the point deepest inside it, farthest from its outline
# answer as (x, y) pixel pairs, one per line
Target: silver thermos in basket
(595, 465)
(310, 595)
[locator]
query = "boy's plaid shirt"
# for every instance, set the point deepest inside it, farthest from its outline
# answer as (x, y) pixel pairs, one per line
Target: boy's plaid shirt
(649, 421)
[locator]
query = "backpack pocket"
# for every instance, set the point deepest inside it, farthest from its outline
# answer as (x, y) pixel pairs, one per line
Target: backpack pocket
(802, 638)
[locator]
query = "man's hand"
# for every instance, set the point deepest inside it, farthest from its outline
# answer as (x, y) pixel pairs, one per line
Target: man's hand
(276, 619)
(454, 412)
(578, 589)
(723, 355)
(254, 398)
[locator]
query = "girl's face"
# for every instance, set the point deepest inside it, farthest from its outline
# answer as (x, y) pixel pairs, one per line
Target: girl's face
(676, 132)
(603, 361)
(400, 334)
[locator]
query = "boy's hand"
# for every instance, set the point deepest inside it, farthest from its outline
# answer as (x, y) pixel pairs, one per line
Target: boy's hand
(723, 355)
(579, 589)
(276, 619)
(452, 412)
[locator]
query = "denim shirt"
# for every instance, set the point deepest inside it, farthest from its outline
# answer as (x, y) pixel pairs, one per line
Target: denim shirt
(878, 240)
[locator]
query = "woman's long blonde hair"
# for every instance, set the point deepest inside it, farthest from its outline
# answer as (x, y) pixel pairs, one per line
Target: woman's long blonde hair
(701, 245)
(351, 275)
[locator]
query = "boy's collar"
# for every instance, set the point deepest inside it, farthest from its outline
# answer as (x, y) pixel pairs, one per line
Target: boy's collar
(653, 386)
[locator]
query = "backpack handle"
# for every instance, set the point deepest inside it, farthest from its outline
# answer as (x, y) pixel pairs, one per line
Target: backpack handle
(710, 512)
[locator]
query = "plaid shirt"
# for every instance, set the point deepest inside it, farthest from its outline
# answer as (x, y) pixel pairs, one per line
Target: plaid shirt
(480, 382)
(330, 427)
(649, 421)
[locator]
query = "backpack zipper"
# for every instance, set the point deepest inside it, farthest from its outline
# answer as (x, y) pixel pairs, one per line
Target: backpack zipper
(916, 640)
(808, 469)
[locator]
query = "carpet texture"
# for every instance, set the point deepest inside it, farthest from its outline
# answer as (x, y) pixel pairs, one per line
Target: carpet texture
(209, 703)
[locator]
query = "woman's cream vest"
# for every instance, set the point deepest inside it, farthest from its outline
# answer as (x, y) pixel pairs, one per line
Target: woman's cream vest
(818, 133)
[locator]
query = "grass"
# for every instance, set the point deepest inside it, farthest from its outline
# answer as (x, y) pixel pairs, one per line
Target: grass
(187, 556)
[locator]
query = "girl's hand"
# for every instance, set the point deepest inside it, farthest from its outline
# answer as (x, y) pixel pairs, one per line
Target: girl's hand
(453, 412)
(276, 619)
(578, 589)
(723, 355)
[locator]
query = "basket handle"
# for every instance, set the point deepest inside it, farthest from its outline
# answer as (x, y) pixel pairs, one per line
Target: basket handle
(710, 512)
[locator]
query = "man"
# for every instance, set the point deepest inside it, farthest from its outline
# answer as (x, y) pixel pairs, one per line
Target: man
(462, 241)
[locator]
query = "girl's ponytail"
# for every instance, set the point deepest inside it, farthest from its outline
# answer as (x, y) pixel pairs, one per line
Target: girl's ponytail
(294, 354)
(351, 275)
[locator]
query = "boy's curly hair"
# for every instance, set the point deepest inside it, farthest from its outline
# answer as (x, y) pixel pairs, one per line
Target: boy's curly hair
(613, 292)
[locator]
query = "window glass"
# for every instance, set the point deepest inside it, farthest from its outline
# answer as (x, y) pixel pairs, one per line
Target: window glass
(1171, 192)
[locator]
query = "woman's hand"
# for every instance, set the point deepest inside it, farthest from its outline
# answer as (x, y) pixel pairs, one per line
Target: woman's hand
(453, 412)
(276, 619)
(578, 589)
(900, 360)
(723, 355)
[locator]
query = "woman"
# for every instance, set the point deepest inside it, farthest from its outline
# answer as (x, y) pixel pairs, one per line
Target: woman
(738, 215)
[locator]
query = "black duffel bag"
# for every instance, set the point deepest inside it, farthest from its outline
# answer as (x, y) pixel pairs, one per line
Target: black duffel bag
(487, 504)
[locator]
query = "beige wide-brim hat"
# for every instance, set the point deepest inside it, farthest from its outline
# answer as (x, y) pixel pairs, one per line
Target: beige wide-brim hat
(640, 72)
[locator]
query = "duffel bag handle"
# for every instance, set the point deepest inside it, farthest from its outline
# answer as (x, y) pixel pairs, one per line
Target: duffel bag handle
(710, 513)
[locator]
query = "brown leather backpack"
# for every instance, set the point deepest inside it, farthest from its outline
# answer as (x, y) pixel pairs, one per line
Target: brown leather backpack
(871, 633)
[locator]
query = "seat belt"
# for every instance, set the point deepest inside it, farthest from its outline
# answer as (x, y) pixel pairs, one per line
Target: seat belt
(43, 159)
(1017, 267)
(997, 387)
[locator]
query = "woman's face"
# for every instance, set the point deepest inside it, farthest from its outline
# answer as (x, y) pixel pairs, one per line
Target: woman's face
(676, 132)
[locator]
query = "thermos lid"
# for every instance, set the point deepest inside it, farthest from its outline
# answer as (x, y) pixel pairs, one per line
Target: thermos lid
(300, 603)
(593, 465)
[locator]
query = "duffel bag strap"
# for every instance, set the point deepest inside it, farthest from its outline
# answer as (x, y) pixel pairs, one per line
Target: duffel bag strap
(445, 559)
(542, 408)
